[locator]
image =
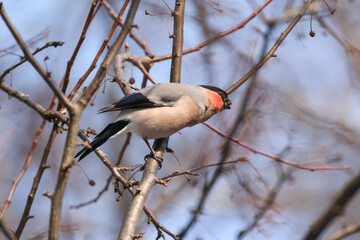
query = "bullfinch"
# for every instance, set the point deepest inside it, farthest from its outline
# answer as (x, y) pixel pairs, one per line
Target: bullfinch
(160, 110)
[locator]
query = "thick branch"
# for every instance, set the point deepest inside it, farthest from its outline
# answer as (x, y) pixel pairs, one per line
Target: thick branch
(4, 227)
(137, 203)
(178, 36)
(346, 231)
(64, 171)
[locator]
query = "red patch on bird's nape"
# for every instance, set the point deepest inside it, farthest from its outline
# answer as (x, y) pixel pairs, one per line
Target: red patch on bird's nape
(216, 101)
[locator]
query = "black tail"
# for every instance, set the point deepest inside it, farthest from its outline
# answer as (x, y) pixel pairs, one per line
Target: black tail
(102, 137)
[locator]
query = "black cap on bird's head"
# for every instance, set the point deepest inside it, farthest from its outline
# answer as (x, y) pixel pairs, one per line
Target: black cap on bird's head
(222, 93)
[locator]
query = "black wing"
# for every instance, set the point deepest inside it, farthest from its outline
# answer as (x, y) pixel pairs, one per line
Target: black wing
(132, 101)
(102, 137)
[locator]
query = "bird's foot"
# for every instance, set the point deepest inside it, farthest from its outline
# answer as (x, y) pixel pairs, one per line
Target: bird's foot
(158, 159)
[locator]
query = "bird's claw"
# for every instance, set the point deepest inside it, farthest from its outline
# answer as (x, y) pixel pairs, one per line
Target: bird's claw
(156, 158)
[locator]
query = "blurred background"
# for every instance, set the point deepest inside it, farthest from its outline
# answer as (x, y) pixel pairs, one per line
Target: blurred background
(303, 105)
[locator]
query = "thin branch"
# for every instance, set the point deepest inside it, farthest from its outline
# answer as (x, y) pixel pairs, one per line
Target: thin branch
(218, 36)
(48, 44)
(335, 209)
(124, 147)
(348, 46)
(46, 76)
(46, 114)
(108, 181)
(276, 158)
(133, 192)
(16, 181)
(191, 171)
(142, 44)
(269, 201)
(93, 64)
(85, 98)
(149, 177)
(225, 153)
(25, 217)
(42, 166)
(78, 45)
(270, 54)
(226, 148)
(94, 200)
(158, 225)
(140, 65)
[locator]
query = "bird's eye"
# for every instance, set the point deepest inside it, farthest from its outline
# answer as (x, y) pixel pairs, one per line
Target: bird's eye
(164, 99)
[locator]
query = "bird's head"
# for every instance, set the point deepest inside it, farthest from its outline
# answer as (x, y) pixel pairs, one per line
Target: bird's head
(224, 96)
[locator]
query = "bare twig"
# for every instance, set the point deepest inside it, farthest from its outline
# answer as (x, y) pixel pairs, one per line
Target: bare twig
(335, 209)
(158, 225)
(94, 200)
(124, 147)
(77, 48)
(46, 114)
(225, 152)
(151, 167)
(276, 158)
(270, 54)
(142, 44)
(218, 36)
(269, 201)
(226, 148)
(191, 172)
(42, 166)
(93, 64)
(133, 192)
(46, 76)
(16, 181)
(48, 44)
(122, 152)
